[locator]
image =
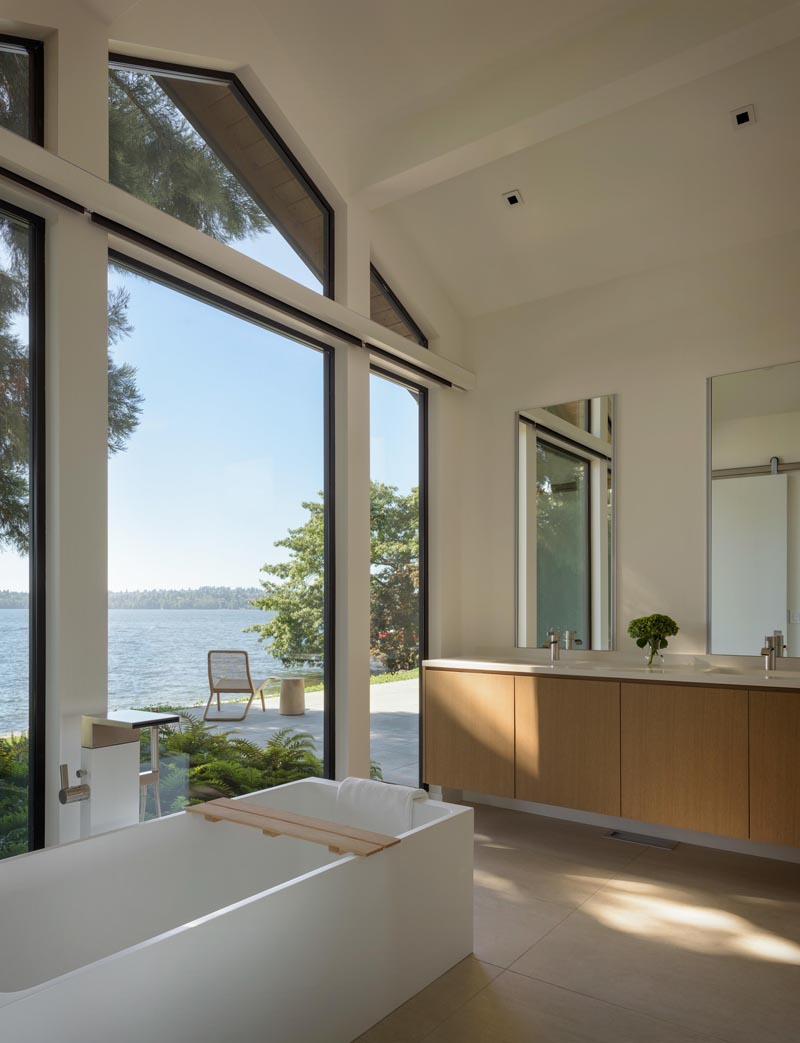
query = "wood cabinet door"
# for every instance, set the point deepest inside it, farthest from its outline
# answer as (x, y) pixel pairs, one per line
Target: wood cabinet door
(775, 767)
(684, 757)
(469, 731)
(567, 740)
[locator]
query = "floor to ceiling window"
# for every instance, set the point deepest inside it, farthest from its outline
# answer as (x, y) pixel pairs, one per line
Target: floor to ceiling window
(218, 534)
(194, 144)
(397, 580)
(21, 531)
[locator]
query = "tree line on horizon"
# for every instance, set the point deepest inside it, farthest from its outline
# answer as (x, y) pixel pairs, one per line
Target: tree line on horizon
(195, 597)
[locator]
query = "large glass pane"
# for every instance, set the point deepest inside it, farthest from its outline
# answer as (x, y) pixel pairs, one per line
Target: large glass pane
(395, 584)
(15, 531)
(19, 83)
(562, 543)
(194, 147)
(217, 530)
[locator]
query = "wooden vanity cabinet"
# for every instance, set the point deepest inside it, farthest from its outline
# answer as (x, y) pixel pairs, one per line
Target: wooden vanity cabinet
(469, 731)
(709, 758)
(685, 757)
(568, 743)
(775, 767)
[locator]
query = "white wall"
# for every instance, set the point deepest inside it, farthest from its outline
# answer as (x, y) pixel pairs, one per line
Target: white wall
(652, 339)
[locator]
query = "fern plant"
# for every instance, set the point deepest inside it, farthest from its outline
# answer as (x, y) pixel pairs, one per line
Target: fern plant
(223, 764)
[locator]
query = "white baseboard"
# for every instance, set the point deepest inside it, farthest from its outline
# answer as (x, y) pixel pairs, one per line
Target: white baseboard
(685, 836)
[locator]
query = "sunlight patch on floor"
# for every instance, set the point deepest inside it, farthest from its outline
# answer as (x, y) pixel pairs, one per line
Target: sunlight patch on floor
(697, 928)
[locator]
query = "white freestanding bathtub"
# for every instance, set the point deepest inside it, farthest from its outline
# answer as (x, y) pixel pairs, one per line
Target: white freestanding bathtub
(186, 931)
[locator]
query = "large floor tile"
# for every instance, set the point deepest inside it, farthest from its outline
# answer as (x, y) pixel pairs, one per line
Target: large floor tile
(502, 828)
(724, 873)
(688, 937)
(422, 1013)
(525, 873)
(515, 1009)
(506, 928)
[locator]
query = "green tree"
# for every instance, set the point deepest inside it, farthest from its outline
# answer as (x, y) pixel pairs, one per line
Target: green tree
(394, 578)
(124, 398)
(14, 92)
(295, 591)
(155, 154)
(294, 588)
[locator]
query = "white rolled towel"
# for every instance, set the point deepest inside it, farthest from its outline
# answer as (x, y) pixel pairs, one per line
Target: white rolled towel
(378, 806)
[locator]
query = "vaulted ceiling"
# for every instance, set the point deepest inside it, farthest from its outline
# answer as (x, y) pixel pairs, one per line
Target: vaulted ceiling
(612, 117)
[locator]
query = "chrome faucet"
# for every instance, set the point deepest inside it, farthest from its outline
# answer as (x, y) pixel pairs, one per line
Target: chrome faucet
(774, 648)
(555, 645)
(70, 794)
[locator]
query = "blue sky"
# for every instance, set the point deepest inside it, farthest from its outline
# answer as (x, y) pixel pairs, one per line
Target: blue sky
(230, 443)
(230, 440)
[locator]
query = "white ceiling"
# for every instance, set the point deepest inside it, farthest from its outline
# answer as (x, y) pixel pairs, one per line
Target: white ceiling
(611, 117)
(641, 188)
(374, 63)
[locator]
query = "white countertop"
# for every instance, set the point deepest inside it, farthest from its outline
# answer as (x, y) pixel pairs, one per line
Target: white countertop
(678, 673)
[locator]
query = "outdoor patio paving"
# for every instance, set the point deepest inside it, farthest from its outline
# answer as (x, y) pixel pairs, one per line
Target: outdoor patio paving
(394, 726)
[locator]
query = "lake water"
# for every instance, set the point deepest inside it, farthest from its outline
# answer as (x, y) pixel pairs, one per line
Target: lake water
(154, 656)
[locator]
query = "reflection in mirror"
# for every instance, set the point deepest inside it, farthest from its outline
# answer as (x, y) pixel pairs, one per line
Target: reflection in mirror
(565, 530)
(754, 532)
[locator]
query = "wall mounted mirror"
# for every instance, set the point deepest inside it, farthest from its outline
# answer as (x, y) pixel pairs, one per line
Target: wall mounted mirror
(754, 528)
(565, 524)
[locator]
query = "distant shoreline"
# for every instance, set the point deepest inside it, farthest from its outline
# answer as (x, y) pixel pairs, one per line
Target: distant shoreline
(196, 598)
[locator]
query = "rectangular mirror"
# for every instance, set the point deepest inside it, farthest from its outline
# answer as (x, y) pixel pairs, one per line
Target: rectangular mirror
(565, 524)
(754, 527)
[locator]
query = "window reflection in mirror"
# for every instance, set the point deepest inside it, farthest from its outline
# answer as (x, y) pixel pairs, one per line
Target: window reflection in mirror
(754, 531)
(565, 545)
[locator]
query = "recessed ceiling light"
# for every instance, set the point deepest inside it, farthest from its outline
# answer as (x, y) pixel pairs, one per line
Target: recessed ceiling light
(743, 117)
(513, 198)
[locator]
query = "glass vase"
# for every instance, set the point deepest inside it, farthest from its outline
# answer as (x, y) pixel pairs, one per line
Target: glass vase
(654, 658)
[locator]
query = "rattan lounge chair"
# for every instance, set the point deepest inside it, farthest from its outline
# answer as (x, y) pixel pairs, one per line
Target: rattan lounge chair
(229, 673)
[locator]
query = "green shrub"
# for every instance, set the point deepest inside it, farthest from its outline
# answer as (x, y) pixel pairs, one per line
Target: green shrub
(222, 764)
(13, 795)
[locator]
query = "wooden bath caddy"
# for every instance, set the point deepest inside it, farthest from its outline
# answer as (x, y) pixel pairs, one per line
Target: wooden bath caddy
(274, 822)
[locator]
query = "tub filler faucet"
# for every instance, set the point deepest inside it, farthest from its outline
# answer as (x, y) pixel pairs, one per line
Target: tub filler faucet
(70, 794)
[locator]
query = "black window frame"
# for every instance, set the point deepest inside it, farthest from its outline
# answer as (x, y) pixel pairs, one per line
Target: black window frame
(37, 677)
(424, 545)
(251, 107)
(396, 303)
(35, 51)
(208, 297)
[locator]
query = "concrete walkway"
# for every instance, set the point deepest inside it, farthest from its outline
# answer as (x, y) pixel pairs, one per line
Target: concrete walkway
(394, 726)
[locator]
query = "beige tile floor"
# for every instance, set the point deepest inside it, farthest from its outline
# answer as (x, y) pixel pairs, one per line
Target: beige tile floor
(581, 939)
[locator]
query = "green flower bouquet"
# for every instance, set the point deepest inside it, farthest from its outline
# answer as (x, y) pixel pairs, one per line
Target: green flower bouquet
(652, 632)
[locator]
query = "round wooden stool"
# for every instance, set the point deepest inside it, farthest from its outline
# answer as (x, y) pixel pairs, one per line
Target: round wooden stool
(293, 697)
